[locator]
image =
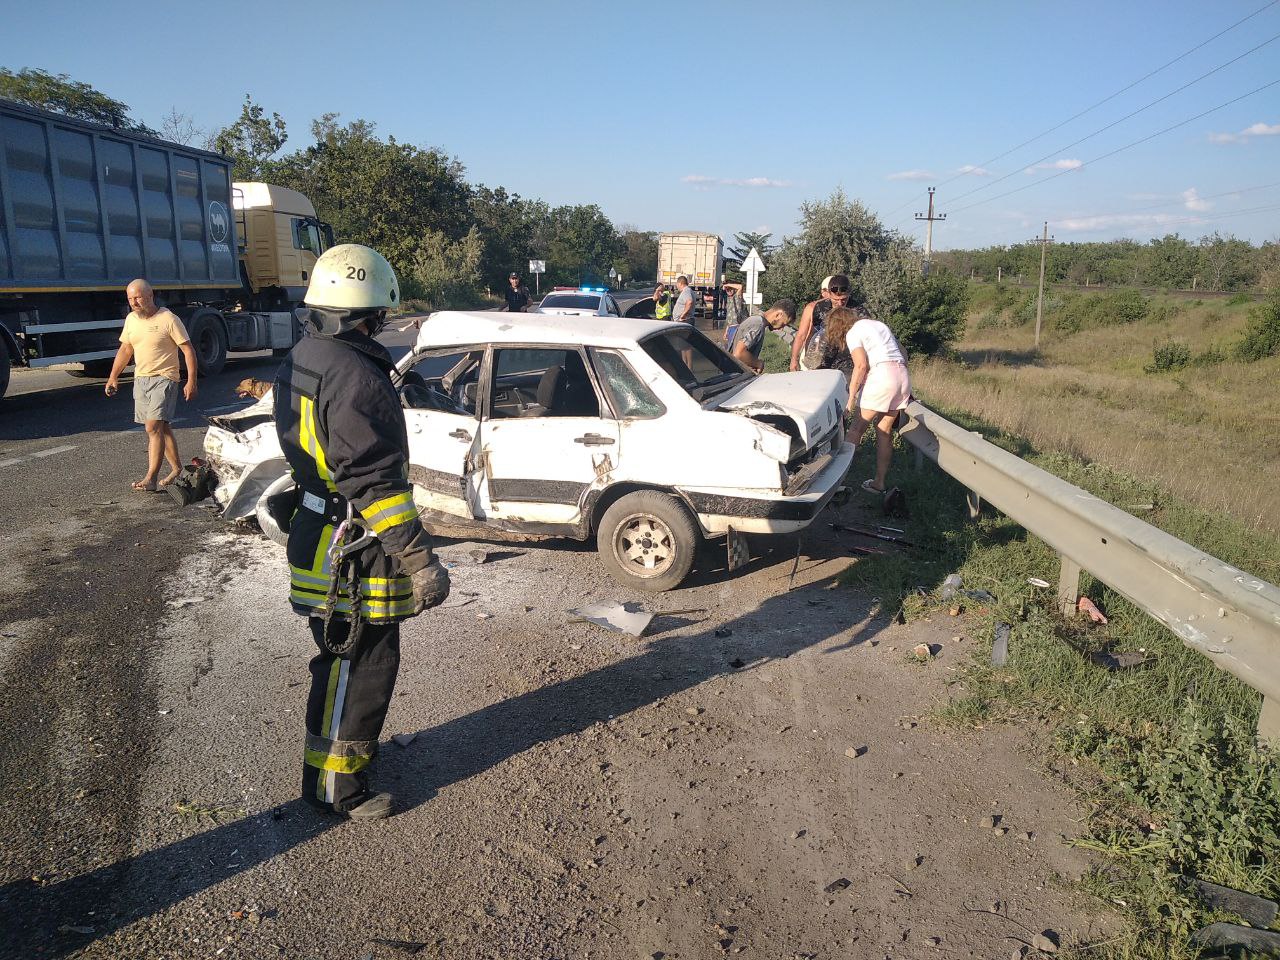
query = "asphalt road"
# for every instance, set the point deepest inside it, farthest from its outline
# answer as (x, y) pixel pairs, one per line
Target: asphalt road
(700, 791)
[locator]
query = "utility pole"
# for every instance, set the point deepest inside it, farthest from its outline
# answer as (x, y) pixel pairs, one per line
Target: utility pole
(1044, 242)
(928, 233)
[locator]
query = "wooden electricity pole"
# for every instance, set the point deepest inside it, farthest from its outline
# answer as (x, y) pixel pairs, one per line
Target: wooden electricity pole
(928, 233)
(1044, 242)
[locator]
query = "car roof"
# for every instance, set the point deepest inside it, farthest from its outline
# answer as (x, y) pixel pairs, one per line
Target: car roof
(463, 328)
(575, 293)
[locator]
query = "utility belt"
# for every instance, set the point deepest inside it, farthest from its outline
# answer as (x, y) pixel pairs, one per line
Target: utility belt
(350, 537)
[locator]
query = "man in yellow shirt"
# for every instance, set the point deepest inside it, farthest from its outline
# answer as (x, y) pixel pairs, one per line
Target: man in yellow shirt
(151, 338)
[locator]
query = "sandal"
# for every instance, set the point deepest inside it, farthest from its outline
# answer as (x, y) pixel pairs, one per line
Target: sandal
(143, 487)
(869, 486)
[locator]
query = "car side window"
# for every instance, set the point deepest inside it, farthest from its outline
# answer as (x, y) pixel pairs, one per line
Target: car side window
(630, 396)
(612, 307)
(542, 382)
(443, 380)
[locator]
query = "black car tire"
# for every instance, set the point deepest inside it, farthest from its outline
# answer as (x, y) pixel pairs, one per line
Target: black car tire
(648, 541)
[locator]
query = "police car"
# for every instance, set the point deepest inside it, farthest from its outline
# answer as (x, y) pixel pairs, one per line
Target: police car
(643, 435)
(579, 302)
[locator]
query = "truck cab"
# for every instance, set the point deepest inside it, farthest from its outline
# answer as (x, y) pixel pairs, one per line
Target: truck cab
(280, 239)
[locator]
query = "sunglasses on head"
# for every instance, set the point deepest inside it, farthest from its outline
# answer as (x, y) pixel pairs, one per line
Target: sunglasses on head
(837, 291)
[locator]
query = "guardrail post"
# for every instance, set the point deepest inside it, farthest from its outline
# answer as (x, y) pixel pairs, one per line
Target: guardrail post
(975, 503)
(1068, 586)
(1269, 720)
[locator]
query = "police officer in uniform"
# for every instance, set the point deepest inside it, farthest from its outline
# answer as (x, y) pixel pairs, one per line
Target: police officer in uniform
(342, 429)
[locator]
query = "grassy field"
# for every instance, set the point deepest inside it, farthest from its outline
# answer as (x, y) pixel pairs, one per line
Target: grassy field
(1163, 756)
(1209, 432)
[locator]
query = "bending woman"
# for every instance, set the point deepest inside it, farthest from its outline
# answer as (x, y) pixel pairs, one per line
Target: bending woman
(880, 372)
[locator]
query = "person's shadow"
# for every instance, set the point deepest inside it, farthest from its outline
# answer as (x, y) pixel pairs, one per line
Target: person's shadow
(664, 664)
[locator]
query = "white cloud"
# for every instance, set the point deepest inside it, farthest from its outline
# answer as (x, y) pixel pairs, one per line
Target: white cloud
(706, 183)
(1117, 221)
(969, 168)
(911, 175)
(1063, 164)
(1247, 134)
(1192, 201)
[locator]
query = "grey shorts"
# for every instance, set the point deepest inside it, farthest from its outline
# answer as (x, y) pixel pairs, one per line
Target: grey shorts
(155, 398)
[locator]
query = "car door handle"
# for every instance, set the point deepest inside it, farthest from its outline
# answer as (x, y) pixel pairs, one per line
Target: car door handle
(462, 435)
(593, 440)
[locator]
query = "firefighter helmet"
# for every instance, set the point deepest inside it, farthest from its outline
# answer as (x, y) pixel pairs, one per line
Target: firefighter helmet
(350, 284)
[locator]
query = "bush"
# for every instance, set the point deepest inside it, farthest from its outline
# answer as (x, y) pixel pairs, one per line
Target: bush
(1211, 356)
(931, 312)
(1170, 355)
(1123, 306)
(1262, 336)
(1163, 312)
(1238, 299)
(446, 273)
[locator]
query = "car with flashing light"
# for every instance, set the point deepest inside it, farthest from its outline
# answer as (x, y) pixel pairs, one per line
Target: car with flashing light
(579, 302)
(643, 435)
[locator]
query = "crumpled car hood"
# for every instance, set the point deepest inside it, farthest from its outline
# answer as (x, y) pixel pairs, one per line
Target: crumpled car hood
(813, 399)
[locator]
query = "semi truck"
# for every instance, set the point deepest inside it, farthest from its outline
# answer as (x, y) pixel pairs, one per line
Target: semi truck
(698, 256)
(85, 209)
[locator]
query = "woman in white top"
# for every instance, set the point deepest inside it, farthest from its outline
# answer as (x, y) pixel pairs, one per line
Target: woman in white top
(880, 373)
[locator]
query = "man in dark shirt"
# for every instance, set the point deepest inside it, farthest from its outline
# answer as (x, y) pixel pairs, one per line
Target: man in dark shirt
(517, 295)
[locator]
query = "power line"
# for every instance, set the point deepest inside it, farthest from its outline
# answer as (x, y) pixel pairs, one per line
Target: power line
(1129, 116)
(1112, 153)
(1170, 203)
(1093, 107)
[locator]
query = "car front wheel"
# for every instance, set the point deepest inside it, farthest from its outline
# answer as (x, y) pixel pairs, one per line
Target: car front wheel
(647, 540)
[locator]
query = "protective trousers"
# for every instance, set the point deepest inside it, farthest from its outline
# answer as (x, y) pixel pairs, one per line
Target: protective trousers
(345, 712)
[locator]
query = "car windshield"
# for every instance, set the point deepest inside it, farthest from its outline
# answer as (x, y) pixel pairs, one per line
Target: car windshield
(693, 361)
(572, 301)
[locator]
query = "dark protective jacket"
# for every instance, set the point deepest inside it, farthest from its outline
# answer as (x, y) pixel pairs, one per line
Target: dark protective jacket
(342, 429)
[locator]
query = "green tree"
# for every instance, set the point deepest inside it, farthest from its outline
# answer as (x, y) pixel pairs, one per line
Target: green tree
(930, 311)
(639, 257)
(507, 224)
(446, 273)
(840, 235)
(61, 94)
(382, 193)
(251, 141)
(744, 242)
(579, 244)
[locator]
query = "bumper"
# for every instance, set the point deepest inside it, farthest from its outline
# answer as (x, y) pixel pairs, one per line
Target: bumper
(245, 465)
(717, 510)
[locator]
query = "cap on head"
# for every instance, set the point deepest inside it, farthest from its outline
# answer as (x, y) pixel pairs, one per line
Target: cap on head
(826, 282)
(513, 276)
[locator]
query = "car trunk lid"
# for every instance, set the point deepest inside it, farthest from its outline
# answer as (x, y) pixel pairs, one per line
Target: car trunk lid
(806, 405)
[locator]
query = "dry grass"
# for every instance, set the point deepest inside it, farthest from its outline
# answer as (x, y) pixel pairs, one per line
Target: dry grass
(1210, 435)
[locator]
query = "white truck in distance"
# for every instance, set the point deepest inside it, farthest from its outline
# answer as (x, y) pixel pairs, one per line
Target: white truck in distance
(698, 256)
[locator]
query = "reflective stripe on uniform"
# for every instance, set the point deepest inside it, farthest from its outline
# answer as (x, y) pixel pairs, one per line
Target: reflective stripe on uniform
(338, 756)
(390, 512)
(309, 440)
(335, 694)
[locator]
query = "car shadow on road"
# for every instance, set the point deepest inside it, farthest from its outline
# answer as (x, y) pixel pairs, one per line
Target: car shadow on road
(149, 883)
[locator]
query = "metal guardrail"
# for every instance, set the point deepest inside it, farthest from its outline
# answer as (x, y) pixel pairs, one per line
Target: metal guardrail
(1231, 617)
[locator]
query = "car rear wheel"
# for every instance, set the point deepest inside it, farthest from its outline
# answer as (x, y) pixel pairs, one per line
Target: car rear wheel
(648, 540)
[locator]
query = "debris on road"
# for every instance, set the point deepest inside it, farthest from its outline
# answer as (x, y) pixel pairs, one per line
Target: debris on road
(1000, 645)
(854, 752)
(1254, 910)
(982, 596)
(1124, 660)
(1087, 606)
(1037, 582)
(835, 886)
(1046, 942)
(925, 651)
(403, 739)
(991, 822)
(620, 617)
(950, 585)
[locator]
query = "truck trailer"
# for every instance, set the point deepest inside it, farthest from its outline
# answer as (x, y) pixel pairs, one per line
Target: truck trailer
(698, 256)
(85, 209)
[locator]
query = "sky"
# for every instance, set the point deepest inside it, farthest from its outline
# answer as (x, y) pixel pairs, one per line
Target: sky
(728, 116)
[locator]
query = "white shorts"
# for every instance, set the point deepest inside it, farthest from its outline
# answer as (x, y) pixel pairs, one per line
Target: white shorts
(888, 388)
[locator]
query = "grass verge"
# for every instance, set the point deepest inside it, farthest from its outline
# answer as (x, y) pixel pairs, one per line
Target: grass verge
(1164, 755)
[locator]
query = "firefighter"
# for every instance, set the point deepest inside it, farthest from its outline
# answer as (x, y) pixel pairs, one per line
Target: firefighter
(359, 559)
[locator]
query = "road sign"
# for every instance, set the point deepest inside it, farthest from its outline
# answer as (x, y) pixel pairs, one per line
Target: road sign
(612, 272)
(537, 266)
(753, 266)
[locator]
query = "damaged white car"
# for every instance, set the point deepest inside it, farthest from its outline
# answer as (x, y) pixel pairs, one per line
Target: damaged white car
(641, 433)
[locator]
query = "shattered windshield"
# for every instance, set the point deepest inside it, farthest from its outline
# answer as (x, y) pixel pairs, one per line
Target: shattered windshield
(693, 361)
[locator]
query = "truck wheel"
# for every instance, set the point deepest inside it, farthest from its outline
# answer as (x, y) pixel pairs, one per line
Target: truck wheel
(209, 340)
(5, 369)
(647, 540)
